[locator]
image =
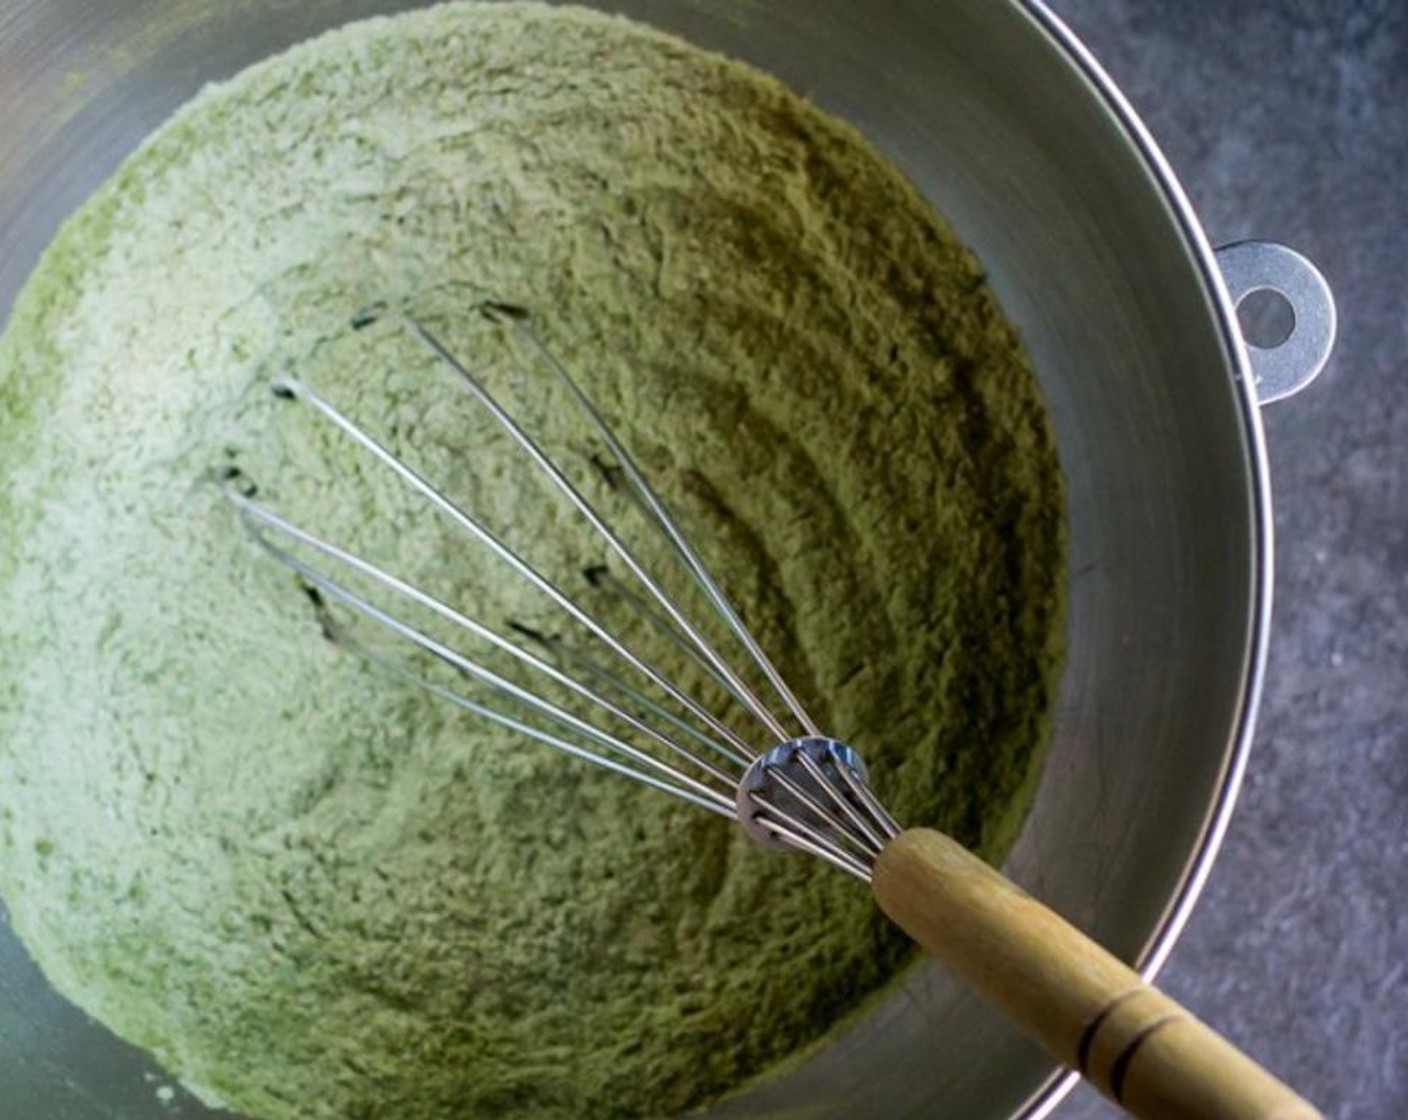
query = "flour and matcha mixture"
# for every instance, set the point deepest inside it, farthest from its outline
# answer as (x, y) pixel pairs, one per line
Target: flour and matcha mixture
(312, 890)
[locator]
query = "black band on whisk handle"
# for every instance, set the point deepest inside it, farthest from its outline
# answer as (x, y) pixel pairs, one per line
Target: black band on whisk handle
(1089, 1009)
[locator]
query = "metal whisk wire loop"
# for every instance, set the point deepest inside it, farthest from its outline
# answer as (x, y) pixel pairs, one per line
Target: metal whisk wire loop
(799, 790)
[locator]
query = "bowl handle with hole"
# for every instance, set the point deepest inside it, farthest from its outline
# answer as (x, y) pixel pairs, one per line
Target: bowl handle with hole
(1087, 1007)
(1258, 266)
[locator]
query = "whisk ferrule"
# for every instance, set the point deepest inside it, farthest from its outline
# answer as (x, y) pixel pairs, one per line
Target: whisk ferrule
(813, 793)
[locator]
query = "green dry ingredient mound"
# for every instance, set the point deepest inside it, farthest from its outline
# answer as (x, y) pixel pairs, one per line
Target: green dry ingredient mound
(312, 890)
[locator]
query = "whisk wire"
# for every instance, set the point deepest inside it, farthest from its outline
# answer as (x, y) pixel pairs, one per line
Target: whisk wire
(458, 618)
(820, 811)
(800, 835)
(876, 842)
(722, 806)
(501, 684)
(662, 517)
(608, 679)
(879, 814)
(579, 502)
(302, 391)
(607, 581)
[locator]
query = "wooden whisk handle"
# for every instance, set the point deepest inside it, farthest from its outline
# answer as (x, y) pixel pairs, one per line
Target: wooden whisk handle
(1089, 1009)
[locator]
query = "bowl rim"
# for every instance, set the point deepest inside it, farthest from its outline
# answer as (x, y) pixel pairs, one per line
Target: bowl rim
(1160, 942)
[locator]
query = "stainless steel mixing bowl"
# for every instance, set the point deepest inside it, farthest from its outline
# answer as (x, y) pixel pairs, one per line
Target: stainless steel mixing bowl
(1001, 117)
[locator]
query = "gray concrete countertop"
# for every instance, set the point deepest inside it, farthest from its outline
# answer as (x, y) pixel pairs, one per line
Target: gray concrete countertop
(1288, 120)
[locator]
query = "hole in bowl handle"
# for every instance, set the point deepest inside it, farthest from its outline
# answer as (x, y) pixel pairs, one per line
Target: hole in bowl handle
(1287, 368)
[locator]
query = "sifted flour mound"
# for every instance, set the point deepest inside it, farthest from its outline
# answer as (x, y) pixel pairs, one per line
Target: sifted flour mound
(315, 892)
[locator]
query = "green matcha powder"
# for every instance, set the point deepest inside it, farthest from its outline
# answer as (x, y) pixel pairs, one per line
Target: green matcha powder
(312, 890)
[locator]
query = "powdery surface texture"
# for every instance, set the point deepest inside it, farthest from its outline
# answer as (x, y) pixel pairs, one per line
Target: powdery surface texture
(310, 889)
